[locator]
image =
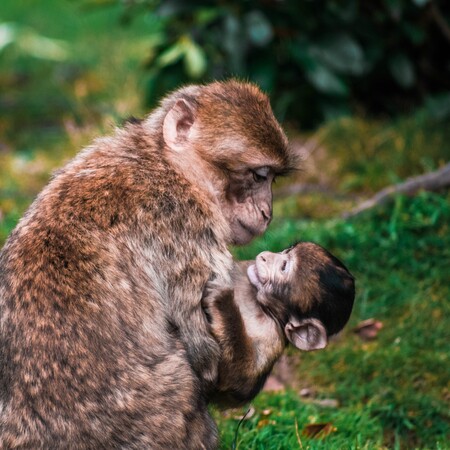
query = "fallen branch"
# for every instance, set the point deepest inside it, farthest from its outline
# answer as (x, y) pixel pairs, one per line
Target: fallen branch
(303, 188)
(432, 181)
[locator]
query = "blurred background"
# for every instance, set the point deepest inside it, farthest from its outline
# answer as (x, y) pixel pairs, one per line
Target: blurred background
(363, 89)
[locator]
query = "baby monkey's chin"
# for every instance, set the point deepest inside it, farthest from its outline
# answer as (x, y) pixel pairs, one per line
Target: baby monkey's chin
(252, 274)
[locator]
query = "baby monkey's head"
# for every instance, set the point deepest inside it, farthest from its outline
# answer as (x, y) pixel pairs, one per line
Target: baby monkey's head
(307, 290)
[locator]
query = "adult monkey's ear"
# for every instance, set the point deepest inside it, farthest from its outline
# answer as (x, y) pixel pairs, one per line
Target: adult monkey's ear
(306, 334)
(177, 126)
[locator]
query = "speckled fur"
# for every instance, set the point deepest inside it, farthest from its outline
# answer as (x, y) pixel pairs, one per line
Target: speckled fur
(100, 289)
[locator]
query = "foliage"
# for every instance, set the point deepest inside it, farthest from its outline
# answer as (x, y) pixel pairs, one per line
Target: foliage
(61, 69)
(31, 43)
(319, 59)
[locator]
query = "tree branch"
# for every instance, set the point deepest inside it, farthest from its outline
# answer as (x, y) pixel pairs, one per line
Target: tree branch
(432, 181)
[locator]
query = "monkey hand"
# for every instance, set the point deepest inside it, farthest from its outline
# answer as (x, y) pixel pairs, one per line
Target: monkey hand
(215, 299)
(202, 347)
(208, 300)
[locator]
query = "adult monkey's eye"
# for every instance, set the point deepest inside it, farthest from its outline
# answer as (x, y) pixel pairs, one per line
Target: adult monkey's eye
(260, 175)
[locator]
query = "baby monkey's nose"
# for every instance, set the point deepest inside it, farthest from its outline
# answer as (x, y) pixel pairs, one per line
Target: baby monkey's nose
(265, 256)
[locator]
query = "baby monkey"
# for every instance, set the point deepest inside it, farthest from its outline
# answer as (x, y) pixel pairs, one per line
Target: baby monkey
(302, 295)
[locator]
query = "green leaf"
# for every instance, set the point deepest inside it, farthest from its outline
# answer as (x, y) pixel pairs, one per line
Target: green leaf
(207, 15)
(439, 106)
(402, 70)
(341, 53)
(7, 34)
(194, 59)
(171, 55)
(259, 29)
(42, 47)
(420, 3)
(326, 81)
(31, 43)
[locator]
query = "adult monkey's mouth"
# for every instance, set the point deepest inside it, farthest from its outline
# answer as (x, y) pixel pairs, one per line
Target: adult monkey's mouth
(252, 231)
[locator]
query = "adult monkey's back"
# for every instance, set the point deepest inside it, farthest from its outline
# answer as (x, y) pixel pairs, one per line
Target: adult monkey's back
(103, 343)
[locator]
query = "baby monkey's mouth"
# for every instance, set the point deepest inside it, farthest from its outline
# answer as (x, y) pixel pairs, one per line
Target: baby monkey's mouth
(252, 273)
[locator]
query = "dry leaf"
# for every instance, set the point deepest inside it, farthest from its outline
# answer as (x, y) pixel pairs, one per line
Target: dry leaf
(368, 329)
(318, 430)
(264, 422)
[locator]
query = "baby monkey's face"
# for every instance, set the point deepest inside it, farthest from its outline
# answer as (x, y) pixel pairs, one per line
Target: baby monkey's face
(276, 278)
(296, 279)
(273, 272)
(307, 290)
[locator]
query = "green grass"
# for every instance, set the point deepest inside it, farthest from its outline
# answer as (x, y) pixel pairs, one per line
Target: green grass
(366, 155)
(394, 391)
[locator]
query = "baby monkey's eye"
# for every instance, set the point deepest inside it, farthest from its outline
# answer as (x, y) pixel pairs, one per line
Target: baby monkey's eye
(285, 266)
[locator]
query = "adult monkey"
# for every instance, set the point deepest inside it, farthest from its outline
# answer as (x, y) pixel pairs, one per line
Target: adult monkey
(103, 342)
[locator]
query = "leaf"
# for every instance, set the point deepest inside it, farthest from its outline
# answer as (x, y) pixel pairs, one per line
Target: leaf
(439, 106)
(326, 81)
(368, 329)
(320, 76)
(264, 422)
(194, 59)
(171, 55)
(31, 43)
(318, 430)
(207, 15)
(402, 70)
(420, 3)
(258, 28)
(42, 47)
(7, 34)
(341, 53)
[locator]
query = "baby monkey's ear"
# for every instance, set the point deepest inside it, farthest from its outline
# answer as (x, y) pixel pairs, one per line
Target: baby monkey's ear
(306, 334)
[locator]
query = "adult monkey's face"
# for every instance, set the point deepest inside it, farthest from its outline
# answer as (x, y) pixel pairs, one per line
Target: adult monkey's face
(227, 134)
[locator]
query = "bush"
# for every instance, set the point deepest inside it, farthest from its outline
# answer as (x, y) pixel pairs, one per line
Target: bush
(318, 59)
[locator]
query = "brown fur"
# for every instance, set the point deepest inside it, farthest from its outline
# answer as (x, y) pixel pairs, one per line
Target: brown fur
(249, 322)
(102, 336)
